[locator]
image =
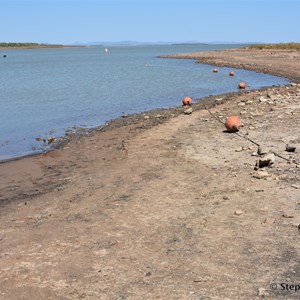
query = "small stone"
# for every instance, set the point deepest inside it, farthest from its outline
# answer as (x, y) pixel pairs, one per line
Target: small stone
(146, 117)
(225, 197)
(290, 148)
(263, 293)
(267, 160)
(261, 150)
(295, 186)
(262, 99)
(188, 111)
(219, 99)
(261, 174)
(51, 139)
(269, 220)
(288, 215)
(238, 212)
(239, 149)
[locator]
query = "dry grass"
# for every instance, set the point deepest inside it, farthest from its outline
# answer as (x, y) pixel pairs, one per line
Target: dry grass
(281, 46)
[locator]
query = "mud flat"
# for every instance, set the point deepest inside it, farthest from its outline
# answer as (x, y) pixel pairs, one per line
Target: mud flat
(162, 205)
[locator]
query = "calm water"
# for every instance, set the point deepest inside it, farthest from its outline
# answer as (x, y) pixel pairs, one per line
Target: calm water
(44, 92)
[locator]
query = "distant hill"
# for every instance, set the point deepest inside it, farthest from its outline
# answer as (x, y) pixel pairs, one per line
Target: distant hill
(16, 45)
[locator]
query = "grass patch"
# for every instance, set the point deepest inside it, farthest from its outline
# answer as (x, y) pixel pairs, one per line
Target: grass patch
(281, 46)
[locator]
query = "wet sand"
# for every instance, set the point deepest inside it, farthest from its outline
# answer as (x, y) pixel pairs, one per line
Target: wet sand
(163, 205)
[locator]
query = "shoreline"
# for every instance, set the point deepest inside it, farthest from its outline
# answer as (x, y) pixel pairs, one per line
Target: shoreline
(131, 119)
(282, 63)
(161, 204)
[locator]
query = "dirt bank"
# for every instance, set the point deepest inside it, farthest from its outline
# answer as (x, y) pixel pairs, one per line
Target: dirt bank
(160, 205)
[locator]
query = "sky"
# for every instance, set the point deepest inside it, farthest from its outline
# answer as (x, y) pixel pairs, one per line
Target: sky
(85, 21)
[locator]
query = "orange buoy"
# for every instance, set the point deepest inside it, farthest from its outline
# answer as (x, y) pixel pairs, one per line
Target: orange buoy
(242, 85)
(233, 124)
(215, 70)
(231, 73)
(187, 100)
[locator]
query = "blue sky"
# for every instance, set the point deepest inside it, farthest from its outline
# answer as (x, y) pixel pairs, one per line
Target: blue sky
(85, 21)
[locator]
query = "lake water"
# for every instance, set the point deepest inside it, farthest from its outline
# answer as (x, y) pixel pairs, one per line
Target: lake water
(45, 92)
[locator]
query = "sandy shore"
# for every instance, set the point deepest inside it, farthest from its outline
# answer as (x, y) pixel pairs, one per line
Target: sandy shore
(163, 205)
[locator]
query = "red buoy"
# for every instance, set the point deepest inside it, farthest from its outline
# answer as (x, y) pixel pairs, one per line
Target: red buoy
(242, 85)
(187, 100)
(231, 73)
(233, 124)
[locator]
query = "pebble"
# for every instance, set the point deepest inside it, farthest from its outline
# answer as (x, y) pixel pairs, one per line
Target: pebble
(263, 99)
(269, 220)
(225, 197)
(267, 160)
(288, 215)
(289, 148)
(238, 212)
(261, 150)
(188, 111)
(261, 174)
(262, 292)
(297, 187)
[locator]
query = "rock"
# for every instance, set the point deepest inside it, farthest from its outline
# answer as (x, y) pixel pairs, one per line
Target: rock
(146, 117)
(263, 293)
(51, 139)
(295, 186)
(288, 215)
(263, 99)
(238, 212)
(266, 160)
(261, 174)
(239, 149)
(261, 150)
(225, 197)
(218, 99)
(188, 111)
(269, 220)
(289, 148)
